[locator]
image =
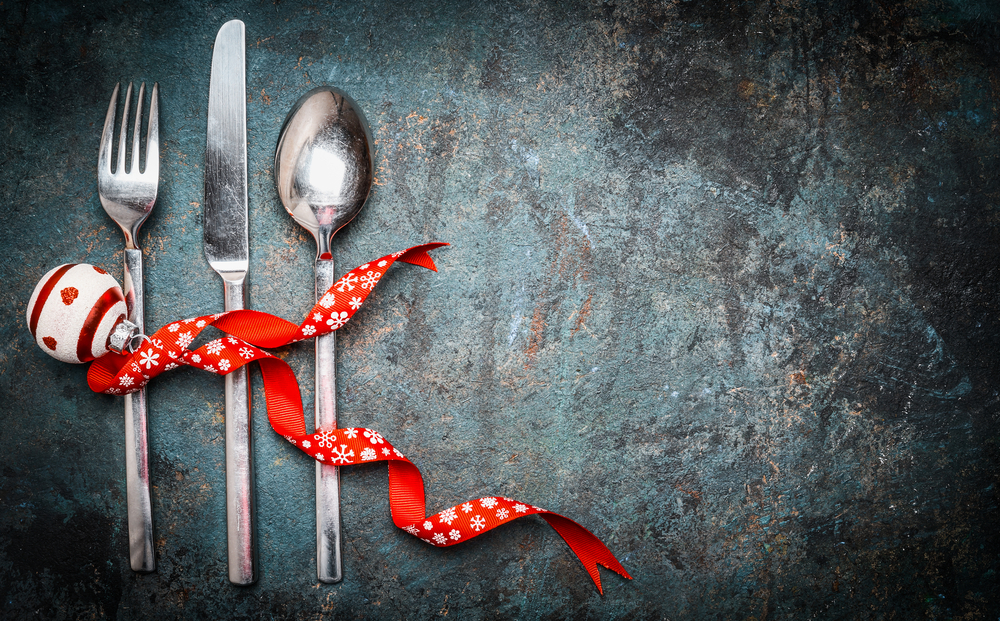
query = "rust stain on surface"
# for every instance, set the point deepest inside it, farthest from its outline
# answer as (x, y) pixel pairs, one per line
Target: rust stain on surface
(537, 335)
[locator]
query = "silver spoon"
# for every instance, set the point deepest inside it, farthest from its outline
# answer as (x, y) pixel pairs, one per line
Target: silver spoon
(323, 168)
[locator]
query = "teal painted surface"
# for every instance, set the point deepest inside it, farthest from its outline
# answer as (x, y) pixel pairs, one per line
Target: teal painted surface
(722, 288)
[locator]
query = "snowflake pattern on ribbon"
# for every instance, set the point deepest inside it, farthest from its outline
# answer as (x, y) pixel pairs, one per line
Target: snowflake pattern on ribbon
(251, 331)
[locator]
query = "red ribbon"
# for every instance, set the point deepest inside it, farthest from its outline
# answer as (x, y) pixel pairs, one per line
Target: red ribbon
(250, 330)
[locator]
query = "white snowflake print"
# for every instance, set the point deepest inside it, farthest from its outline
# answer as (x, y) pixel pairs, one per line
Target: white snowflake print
(440, 539)
(396, 255)
(413, 530)
(374, 437)
(477, 523)
(174, 327)
(467, 507)
(398, 454)
(172, 354)
(233, 340)
(368, 454)
(170, 367)
(369, 280)
(327, 300)
(157, 343)
(488, 502)
(386, 451)
(246, 352)
(217, 315)
(201, 323)
(126, 380)
(149, 359)
(455, 535)
(520, 508)
(448, 516)
(317, 317)
(336, 321)
(350, 432)
(224, 365)
(325, 439)
(355, 303)
(382, 263)
(309, 330)
(184, 339)
(292, 440)
(364, 267)
(112, 391)
(428, 525)
(196, 358)
(342, 455)
(502, 513)
(320, 457)
(136, 367)
(210, 369)
(348, 281)
(214, 347)
(306, 444)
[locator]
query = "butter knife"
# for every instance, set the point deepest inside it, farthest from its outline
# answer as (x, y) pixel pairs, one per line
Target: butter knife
(227, 251)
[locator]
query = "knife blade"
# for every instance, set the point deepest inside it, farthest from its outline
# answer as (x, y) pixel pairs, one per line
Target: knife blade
(227, 251)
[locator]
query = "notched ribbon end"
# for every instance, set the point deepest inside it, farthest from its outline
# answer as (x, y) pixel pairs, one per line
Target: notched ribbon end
(588, 548)
(418, 255)
(617, 568)
(595, 575)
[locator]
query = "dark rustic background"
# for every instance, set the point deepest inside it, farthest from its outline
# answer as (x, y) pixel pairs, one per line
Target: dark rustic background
(722, 287)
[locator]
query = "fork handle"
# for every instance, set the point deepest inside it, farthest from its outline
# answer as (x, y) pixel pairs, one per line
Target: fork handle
(240, 523)
(140, 513)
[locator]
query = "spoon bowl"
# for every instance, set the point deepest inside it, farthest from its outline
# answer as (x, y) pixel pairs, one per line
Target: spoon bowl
(323, 163)
(323, 169)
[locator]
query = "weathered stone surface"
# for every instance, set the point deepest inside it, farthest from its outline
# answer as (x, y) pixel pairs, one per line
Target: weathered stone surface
(722, 288)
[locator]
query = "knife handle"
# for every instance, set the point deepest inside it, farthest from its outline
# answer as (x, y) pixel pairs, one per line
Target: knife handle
(140, 512)
(241, 533)
(328, 560)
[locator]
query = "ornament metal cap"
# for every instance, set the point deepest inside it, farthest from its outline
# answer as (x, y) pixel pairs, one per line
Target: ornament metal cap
(125, 338)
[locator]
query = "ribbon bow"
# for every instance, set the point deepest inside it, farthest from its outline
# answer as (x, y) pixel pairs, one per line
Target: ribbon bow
(250, 330)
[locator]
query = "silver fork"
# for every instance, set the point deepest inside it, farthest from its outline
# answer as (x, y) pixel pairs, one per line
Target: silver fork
(128, 198)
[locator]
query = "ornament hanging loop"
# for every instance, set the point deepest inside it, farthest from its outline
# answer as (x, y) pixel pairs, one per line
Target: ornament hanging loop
(126, 338)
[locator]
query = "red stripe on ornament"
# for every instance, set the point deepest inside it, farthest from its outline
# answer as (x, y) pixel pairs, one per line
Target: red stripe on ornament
(43, 295)
(100, 309)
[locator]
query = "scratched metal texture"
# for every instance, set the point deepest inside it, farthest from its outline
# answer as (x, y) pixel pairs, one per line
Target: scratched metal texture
(722, 288)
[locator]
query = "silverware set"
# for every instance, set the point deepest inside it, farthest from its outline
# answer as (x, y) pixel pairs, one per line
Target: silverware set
(323, 169)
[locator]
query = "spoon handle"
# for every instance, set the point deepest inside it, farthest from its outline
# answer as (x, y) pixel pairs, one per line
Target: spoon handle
(328, 562)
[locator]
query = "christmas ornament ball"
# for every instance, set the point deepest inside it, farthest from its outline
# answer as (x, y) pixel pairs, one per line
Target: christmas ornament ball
(73, 311)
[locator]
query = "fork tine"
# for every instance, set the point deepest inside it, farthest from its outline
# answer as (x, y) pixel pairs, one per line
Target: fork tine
(135, 132)
(153, 134)
(120, 169)
(104, 156)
